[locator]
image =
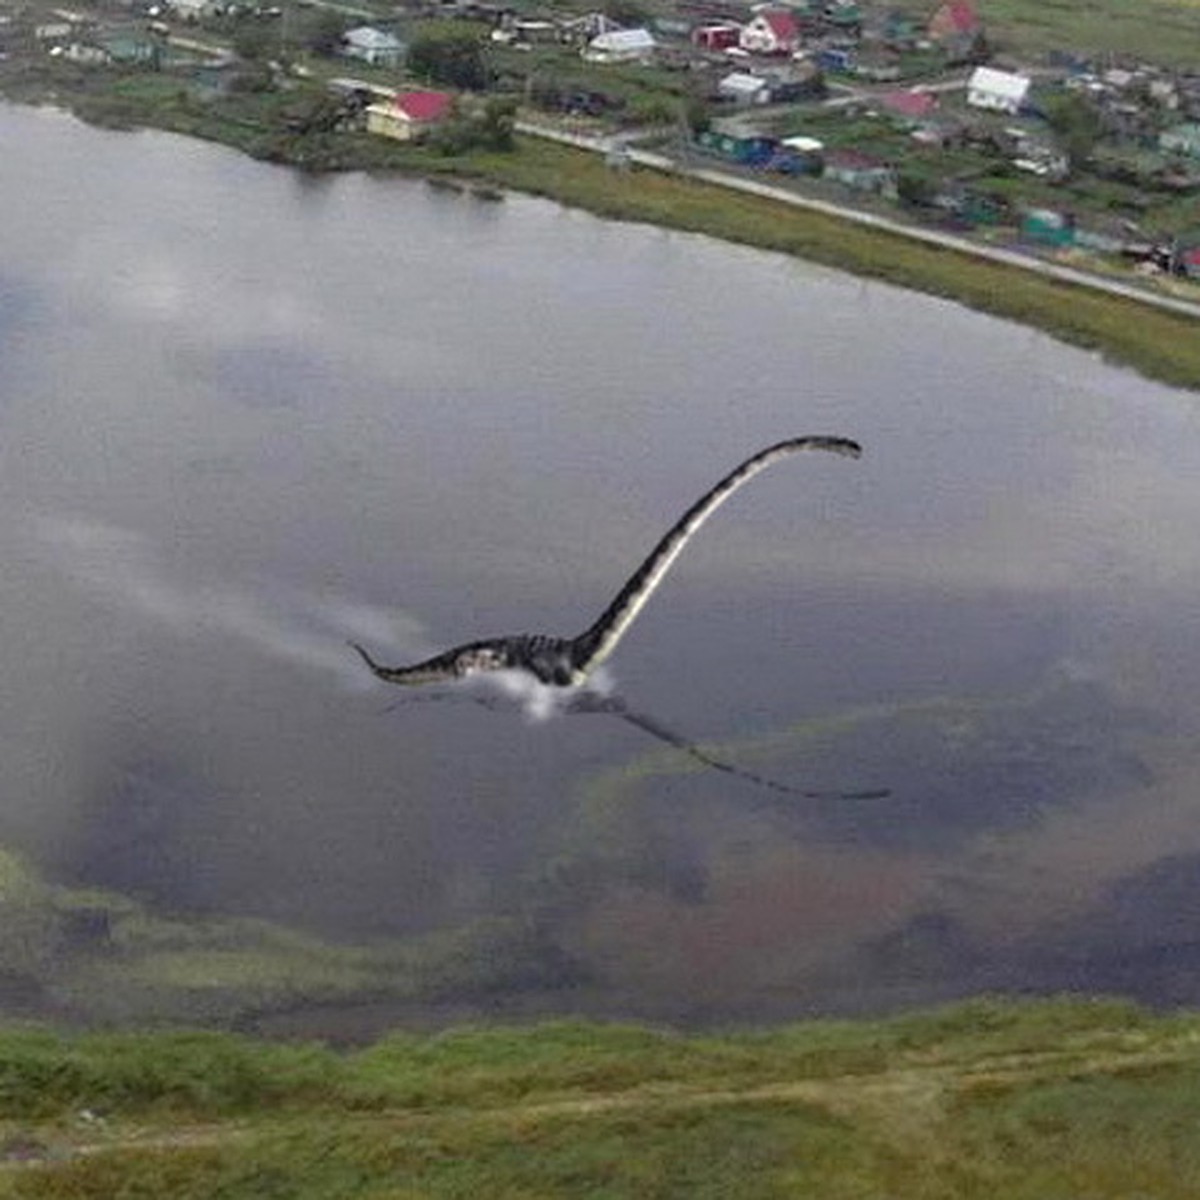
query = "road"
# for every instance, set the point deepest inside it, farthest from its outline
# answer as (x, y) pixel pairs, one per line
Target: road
(932, 237)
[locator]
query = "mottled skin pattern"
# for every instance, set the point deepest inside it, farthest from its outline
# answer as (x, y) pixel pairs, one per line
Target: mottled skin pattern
(565, 662)
(547, 658)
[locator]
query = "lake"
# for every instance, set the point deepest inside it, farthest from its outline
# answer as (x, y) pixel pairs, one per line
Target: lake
(248, 416)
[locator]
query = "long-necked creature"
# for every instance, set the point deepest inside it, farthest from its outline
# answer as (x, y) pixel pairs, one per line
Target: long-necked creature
(567, 662)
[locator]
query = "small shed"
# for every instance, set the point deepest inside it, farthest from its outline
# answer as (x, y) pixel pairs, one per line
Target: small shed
(374, 46)
(740, 87)
(716, 37)
(799, 155)
(1181, 139)
(621, 45)
(1000, 91)
(1047, 227)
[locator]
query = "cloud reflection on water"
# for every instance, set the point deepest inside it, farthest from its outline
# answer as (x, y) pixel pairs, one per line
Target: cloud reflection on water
(123, 568)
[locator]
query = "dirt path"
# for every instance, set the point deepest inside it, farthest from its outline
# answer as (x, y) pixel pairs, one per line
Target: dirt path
(904, 1102)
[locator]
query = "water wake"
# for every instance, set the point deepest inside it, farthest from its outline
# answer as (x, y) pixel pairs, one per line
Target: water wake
(124, 569)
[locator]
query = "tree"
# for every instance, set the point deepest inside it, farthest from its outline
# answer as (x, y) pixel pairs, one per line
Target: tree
(450, 53)
(477, 126)
(1076, 124)
(697, 115)
(255, 41)
(631, 14)
(915, 189)
(321, 30)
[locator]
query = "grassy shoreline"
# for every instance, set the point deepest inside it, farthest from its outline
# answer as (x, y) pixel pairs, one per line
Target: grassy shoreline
(1022, 1100)
(1161, 345)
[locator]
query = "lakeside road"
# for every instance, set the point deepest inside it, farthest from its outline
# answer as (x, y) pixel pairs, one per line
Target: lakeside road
(932, 237)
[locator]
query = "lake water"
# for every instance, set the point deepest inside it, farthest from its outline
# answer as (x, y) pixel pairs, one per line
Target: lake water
(247, 415)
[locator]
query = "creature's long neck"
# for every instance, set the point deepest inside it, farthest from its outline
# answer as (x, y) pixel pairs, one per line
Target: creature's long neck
(595, 644)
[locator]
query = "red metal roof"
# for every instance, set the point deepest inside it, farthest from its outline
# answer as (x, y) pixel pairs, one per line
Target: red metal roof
(782, 24)
(955, 16)
(910, 103)
(850, 159)
(424, 106)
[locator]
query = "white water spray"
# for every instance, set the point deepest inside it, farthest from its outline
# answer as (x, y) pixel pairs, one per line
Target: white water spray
(124, 569)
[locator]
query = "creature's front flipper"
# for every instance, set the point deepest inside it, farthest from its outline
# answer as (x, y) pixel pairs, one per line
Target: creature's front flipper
(433, 670)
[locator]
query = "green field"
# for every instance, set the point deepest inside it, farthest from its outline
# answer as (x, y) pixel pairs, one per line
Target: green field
(1164, 31)
(1053, 1099)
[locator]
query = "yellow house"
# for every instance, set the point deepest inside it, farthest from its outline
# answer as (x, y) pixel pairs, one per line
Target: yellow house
(409, 115)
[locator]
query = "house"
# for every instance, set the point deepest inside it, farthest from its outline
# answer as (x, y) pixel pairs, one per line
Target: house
(85, 54)
(621, 45)
(953, 19)
(1181, 139)
(910, 106)
(936, 134)
(771, 31)
(740, 87)
(843, 15)
(1000, 91)
(837, 59)
(1047, 227)
(716, 37)
(897, 30)
(1186, 260)
(1164, 93)
(799, 155)
(374, 46)
(410, 115)
(747, 149)
(1046, 162)
(862, 172)
(195, 10)
(794, 81)
(53, 31)
(956, 30)
(131, 47)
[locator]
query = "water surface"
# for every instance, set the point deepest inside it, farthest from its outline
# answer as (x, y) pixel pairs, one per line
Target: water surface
(246, 415)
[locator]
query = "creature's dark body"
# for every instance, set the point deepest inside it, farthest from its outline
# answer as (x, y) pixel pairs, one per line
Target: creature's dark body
(563, 662)
(550, 659)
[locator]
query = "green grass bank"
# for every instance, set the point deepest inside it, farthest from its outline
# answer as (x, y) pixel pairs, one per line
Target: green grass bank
(1160, 345)
(1056, 1098)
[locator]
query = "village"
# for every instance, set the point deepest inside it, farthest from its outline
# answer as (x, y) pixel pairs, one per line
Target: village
(918, 111)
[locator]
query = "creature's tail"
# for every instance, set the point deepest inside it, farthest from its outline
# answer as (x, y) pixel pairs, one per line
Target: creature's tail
(377, 668)
(435, 670)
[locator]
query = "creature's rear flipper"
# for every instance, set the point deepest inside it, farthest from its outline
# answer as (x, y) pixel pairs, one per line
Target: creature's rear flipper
(614, 706)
